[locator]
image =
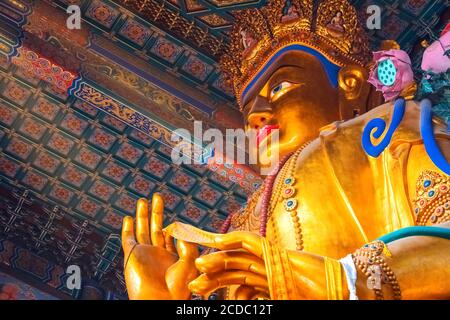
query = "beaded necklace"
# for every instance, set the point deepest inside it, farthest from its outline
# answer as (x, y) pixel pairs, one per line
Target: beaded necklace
(284, 188)
(268, 193)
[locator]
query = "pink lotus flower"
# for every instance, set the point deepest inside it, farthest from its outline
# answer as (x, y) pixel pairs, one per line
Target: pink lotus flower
(435, 57)
(392, 73)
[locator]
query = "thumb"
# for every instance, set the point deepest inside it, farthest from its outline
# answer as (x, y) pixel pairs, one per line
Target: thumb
(183, 271)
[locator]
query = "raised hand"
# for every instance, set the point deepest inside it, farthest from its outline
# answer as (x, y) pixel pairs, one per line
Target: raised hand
(153, 267)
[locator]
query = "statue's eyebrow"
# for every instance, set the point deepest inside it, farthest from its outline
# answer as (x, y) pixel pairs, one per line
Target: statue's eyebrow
(276, 79)
(269, 81)
(258, 89)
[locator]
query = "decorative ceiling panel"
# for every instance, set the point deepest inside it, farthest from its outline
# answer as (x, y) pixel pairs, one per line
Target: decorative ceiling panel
(66, 154)
(166, 47)
(15, 289)
(90, 163)
(214, 20)
(226, 3)
(193, 6)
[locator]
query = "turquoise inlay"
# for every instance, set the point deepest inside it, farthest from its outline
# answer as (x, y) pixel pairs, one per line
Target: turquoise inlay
(431, 146)
(380, 125)
(415, 232)
(436, 88)
(387, 72)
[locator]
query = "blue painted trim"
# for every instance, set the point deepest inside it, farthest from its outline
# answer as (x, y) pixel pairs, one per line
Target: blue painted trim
(380, 125)
(17, 35)
(206, 155)
(431, 146)
(75, 85)
(331, 69)
(423, 231)
(179, 94)
(23, 14)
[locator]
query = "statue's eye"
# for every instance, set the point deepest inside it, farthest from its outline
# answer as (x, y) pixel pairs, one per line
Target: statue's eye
(279, 90)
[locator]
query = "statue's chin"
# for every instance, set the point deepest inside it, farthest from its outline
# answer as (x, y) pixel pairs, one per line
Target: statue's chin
(271, 155)
(269, 158)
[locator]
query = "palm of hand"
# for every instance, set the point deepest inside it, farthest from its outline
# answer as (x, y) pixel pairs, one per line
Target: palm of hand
(152, 267)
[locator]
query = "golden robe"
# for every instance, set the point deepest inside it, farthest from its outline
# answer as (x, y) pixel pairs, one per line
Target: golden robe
(347, 198)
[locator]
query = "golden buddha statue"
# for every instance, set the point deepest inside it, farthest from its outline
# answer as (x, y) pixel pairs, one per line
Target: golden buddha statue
(322, 225)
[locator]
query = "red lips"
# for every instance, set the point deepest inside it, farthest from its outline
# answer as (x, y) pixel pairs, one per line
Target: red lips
(264, 132)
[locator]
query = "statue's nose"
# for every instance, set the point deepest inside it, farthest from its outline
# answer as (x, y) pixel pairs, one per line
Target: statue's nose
(258, 120)
(259, 113)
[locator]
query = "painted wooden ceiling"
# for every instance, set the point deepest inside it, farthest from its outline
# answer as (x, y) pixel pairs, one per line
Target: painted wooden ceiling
(74, 162)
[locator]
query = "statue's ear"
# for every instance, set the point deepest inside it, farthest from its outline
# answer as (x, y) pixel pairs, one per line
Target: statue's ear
(353, 91)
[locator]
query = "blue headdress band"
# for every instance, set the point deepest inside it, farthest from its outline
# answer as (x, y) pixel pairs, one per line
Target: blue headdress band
(331, 69)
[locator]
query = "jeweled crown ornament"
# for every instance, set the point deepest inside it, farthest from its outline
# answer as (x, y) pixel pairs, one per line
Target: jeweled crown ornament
(330, 27)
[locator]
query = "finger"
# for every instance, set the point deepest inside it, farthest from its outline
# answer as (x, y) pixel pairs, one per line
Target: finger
(169, 242)
(245, 293)
(240, 240)
(230, 260)
(187, 250)
(183, 271)
(128, 240)
(206, 283)
(142, 225)
(156, 222)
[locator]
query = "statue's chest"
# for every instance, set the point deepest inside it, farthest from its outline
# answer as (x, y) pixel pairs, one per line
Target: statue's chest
(275, 211)
(297, 223)
(308, 214)
(283, 224)
(316, 206)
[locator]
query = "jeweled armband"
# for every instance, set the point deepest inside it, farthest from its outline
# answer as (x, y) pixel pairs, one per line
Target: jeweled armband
(370, 259)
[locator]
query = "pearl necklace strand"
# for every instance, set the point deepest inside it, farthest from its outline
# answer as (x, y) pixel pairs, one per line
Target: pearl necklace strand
(268, 202)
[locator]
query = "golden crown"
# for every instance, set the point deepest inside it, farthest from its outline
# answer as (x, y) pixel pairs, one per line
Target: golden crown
(432, 204)
(328, 26)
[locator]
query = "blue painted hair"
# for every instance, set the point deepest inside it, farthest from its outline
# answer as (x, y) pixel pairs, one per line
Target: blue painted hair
(331, 69)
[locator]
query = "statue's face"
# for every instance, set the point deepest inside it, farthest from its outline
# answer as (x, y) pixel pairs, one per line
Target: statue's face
(297, 98)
